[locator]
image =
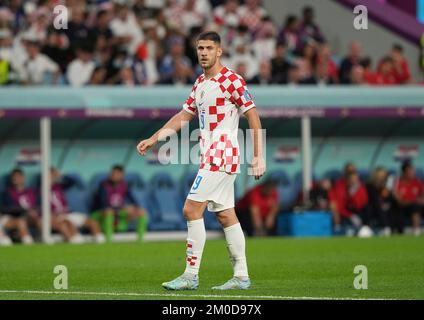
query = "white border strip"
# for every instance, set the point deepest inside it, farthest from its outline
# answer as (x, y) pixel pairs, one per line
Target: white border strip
(206, 296)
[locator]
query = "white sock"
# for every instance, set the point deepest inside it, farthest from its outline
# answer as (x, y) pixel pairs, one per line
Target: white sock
(196, 238)
(236, 245)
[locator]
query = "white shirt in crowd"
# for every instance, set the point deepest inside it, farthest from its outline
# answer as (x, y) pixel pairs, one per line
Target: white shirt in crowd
(79, 72)
(128, 27)
(35, 69)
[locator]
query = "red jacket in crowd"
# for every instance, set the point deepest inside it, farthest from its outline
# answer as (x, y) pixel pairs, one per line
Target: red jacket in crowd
(348, 203)
(255, 197)
(409, 190)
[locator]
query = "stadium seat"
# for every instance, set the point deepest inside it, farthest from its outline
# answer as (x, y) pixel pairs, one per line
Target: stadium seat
(78, 199)
(332, 174)
(164, 197)
(364, 175)
(420, 173)
(287, 190)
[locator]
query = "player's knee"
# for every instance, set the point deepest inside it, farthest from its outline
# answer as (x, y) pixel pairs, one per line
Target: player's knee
(189, 213)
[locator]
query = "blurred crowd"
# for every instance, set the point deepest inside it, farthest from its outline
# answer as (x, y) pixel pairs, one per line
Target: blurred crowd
(382, 201)
(141, 42)
(113, 208)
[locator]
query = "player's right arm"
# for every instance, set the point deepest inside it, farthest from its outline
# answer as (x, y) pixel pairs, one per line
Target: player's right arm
(172, 126)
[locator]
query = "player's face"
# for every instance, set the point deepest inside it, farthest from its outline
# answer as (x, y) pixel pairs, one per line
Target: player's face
(208, 53)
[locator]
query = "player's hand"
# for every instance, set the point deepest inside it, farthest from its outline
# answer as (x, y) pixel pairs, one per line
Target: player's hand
(258, 167)
(144, 146)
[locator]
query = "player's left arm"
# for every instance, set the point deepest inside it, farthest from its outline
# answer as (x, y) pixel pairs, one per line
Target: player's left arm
(258, 162)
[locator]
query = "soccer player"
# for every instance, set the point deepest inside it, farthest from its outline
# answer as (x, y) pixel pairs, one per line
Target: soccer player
(115, 206)
(19, 207)
(219, 96)
(64, 221)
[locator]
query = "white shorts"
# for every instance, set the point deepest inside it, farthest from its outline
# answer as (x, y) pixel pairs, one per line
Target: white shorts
(215, 187)
(76, 218)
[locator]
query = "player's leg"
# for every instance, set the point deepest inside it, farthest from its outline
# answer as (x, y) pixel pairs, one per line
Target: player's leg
(4, 238)
(139, 215)
(21, 226)
(236, 245)
(415, 213)
(107, 220)
(81, 220)
(196, 237)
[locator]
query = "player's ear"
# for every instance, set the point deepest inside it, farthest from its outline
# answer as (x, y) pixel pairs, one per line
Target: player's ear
(219, 51)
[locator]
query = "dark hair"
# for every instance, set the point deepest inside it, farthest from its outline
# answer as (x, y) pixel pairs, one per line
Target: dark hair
(366, 62)
(290, 20)
(101, 13)
(15, 171)
(118, 167)
(406, 165)
(210, 35)
(398, 47)
(307, 9)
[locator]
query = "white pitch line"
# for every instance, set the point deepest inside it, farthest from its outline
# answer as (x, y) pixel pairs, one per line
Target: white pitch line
(139, 294)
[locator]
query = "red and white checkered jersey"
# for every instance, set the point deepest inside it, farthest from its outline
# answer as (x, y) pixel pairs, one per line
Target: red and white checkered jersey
(219, 102)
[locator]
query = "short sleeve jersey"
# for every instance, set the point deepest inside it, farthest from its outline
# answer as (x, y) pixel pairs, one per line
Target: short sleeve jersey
(219, 102)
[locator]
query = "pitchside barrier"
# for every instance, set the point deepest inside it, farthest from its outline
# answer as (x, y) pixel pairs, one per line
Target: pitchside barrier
(310, 130)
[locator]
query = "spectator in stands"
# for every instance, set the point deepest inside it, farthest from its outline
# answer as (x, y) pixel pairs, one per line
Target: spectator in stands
(352, 59)
(319, 195)
(241, 69)
(385, 72)
(115, 207)
(400, 65)
(252, 14)
(64, 220)
(258, 209)
(324, 57)
(5, 56)
(380, 201)
(279, 64)
(37, 67)
(370, 76)
(80, 70)
(98, 76)
(309, 30)
(357, 76)
(265, 42)
(19, 207)
(226, 15)
(320, 76)
(126, 29)
(348, 202)
(57, 48)
(293, 75)
(244, 54)
(191, 16)
(176, 55)
(409, 198)
(264, 77)
(78, 32)
(101, 30)
(182, 74)
(307, 61)
(290, 34)
(127, 77)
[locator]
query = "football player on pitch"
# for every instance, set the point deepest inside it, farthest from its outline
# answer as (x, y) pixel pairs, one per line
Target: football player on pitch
(219, 96)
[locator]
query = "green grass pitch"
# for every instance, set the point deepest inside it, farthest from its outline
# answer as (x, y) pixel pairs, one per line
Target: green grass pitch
(280, 268)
